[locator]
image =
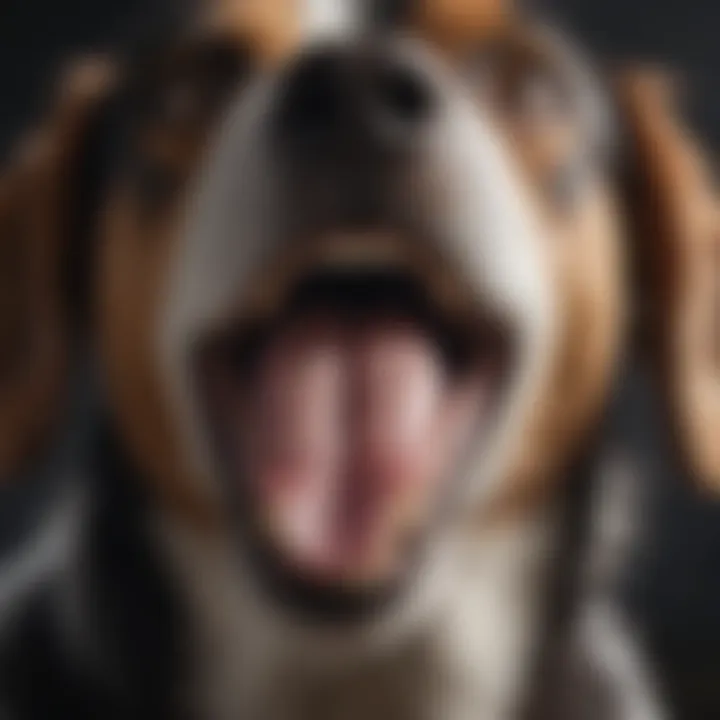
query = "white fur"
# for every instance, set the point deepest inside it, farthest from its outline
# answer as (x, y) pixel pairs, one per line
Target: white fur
(616, 658)
(330, 18)
(467, 649)
(24, 570)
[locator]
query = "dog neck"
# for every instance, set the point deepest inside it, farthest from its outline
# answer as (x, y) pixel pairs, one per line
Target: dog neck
(464, 641)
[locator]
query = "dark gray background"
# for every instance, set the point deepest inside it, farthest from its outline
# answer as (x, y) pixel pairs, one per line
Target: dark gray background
(676, 589)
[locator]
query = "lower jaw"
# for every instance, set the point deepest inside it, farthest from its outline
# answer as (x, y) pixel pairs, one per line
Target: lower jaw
(322, 603)
(341, 597)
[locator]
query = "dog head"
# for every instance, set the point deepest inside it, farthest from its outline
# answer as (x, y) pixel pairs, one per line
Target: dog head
(356, 295)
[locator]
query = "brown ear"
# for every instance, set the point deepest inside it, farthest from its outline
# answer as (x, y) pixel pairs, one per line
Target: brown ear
(676, 214)
(36, 208)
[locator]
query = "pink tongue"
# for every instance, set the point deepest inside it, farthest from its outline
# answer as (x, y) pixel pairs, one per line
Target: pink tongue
(352, 435)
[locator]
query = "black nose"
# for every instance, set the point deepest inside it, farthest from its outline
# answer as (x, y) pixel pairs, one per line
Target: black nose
(315, 98)
(342, 95)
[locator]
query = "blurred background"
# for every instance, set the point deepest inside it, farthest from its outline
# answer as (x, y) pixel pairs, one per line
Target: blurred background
(674, 586)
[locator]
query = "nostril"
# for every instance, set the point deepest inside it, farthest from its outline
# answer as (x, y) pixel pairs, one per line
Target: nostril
(402, 95)
(352, 101)
(314, 99)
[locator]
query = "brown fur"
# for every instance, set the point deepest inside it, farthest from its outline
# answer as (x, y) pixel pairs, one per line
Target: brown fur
(588, 269)
(678, 257)
(35, 201)
(585, 248)
(458, 25)
(135, 246)
(133, 263)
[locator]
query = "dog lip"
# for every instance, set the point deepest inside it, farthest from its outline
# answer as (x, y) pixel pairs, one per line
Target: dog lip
(346, 251)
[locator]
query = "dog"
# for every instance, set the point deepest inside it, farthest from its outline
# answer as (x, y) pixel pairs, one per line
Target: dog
(356, 283)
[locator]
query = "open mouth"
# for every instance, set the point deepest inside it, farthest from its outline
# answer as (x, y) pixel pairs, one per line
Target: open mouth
(342, 415)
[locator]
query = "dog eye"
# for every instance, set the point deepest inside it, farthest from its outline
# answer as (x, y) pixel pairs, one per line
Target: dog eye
(180, 105)
(221, 66)
(183, 87)
(565, 184)
(156, 186)
(539, 99)
(482, 70)
(196, 95)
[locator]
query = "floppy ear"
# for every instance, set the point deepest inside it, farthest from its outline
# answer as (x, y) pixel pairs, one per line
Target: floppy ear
(37, 220)
(675, 212)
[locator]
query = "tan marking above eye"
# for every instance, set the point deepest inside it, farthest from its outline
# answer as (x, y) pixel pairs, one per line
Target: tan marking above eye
(458, 25)
(271, 28)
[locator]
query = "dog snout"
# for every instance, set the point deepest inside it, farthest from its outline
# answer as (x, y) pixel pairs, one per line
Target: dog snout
(356, 97)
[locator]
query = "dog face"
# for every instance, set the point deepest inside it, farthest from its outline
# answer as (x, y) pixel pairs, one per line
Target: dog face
(356, 299)
(369, 296)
